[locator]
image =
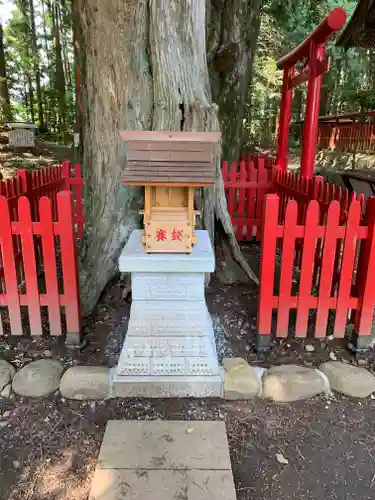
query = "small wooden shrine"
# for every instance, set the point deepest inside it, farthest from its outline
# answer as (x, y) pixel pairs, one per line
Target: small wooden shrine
(170, 165)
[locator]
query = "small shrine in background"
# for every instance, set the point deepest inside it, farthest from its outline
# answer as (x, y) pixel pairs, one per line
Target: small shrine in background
(21, 135)
(170, 165)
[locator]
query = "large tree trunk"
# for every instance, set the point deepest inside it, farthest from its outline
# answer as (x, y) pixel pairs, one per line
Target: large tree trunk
(35, 53)
(232, 34)
(59, 74)
(145, 68)
(5, 110)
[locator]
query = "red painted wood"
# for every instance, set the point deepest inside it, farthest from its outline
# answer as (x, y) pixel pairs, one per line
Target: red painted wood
(329, 246)
(232, 192)
(79, 217)
(9, 266)
(49, 258)
(365, 276)
(284, 119)
(267, 264)
(245, 193)
(347, 268)
(307, 268)
(262, 186)
(69, 261)
(286, 275)
(252, 197)
(242, 227)
(29, 265)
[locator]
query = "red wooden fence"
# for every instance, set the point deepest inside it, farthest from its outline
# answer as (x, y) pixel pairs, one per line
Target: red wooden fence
(339, 242)
(36, 279)
(47, 181)
(246, 183)
(347, 136)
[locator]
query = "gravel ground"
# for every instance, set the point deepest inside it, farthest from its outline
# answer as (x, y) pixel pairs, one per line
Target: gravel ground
(49, 447)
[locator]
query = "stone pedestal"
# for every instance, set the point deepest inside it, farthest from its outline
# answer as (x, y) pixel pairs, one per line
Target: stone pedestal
(169, 349)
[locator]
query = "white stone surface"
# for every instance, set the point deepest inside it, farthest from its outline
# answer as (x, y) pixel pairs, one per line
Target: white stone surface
(85, 382)
(7, 372)
(169, 318)
(168, 286)
(169, 349)
(133, 258)
(348, 379)
(137, 484)
(38, 378)
(163, 460)
(167, 386)
(159, 444)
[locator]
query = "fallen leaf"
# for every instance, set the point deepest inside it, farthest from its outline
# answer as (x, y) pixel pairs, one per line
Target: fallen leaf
(281, 459)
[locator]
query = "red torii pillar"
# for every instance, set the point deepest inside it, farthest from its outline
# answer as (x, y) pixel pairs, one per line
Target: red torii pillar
(311, 51)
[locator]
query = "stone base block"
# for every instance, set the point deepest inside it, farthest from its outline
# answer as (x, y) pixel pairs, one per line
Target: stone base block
(167, 386)
(169, 349)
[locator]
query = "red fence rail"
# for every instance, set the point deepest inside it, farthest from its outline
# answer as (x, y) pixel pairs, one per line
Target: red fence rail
(346, 246)
(246, 183)
(34, 278)
(47, 181)
(347, 137)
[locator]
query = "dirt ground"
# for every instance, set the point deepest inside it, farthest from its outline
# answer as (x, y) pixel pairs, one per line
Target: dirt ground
(49, 447)
(44, 154)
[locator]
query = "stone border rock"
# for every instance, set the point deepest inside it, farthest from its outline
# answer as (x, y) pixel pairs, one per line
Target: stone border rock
(287, 383)
(284, 383)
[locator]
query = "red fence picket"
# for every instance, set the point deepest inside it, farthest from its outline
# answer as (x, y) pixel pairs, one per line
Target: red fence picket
(347, 132)
(24, 282)
(47, 181)
(353, 293)
(246, 183)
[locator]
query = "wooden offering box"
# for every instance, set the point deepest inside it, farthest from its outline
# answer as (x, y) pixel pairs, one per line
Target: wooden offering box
(170, 165)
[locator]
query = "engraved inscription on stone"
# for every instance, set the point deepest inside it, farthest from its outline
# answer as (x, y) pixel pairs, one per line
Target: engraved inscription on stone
(21, 138)
(200, 366)
(169, 309)
(171, 286)
(156, 347)
(165, 366)
(134, 366)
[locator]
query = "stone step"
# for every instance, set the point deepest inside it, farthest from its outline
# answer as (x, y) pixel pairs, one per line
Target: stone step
(164, 460)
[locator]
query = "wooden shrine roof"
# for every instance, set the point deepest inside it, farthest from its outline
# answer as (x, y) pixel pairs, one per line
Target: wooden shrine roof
(360, 30)
(170, 158)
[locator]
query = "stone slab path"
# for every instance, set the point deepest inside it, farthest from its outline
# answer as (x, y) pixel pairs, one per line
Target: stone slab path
(163, 460)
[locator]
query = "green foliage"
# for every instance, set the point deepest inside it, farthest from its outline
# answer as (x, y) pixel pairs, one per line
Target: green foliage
(348, 86)
(52, 97)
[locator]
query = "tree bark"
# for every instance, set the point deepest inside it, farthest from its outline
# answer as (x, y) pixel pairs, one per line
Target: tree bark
(5, 109)
(153, 76)
(232, 34)
(35, 53)
(59, 72)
